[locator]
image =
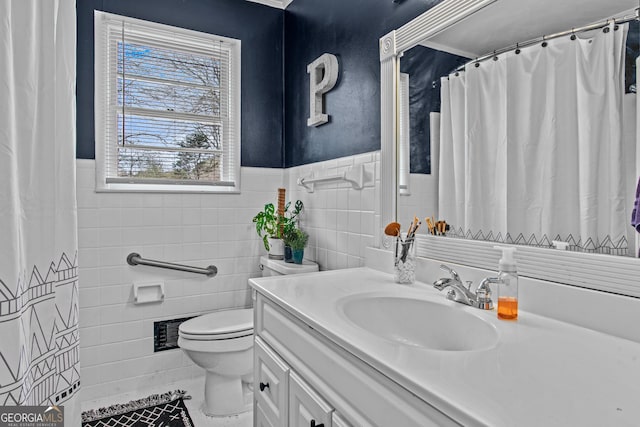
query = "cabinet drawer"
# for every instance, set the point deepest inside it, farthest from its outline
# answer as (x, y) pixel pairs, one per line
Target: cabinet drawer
(271, 383)
(306, 406)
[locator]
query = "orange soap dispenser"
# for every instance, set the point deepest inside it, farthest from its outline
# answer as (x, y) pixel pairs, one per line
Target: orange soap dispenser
(507, 285)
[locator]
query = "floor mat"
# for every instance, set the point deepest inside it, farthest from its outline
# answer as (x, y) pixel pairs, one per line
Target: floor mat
(166, 410)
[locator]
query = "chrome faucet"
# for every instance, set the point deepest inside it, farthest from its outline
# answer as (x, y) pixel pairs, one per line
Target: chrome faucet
(458, 292)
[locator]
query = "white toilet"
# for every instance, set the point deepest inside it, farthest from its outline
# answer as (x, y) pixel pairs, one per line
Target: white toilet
(222, 344)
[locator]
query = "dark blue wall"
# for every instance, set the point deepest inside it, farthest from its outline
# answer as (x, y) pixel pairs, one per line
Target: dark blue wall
(349, 29)
(259, 27)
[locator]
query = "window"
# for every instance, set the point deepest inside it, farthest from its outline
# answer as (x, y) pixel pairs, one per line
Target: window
(167, 104)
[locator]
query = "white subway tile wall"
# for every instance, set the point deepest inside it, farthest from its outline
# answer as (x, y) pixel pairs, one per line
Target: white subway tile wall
(201, 229)
(422, 202)
(116, 336)
(340, 220)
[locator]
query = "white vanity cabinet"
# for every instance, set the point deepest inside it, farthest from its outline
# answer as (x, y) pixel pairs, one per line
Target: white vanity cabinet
(302, 379)
(283, 398)
(306, 407)
(260, 419)
(271, 386)
(338, 421)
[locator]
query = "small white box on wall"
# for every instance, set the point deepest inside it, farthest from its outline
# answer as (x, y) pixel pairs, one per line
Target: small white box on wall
(144, 293)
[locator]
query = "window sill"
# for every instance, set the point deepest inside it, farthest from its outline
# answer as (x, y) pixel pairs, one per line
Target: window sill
(166, 188)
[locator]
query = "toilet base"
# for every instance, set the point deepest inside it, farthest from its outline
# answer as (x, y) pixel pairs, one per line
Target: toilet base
(225, 395)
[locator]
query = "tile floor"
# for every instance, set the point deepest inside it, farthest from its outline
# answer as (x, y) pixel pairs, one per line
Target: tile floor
(194, 388)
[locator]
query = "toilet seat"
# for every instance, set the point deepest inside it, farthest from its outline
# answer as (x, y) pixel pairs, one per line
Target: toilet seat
(220, 325)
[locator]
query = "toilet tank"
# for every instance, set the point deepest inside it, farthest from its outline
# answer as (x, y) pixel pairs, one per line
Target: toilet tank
(277, 267)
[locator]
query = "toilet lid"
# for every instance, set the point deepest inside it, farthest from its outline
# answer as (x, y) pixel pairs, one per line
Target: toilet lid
(219, 325)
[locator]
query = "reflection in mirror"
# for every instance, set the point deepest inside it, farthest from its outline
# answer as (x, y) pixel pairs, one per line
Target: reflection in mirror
(531, 145)
(419, 105)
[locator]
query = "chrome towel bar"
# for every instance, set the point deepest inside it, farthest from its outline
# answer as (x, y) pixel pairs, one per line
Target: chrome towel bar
(135, 259)
(354, 176)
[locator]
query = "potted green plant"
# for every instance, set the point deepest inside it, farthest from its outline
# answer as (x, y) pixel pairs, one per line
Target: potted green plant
(272, 227)
(298, 241)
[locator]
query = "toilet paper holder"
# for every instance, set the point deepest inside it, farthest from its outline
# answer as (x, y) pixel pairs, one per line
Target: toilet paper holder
(144, 293)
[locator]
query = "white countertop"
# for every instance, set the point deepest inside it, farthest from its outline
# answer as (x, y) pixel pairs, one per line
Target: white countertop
(542, 372)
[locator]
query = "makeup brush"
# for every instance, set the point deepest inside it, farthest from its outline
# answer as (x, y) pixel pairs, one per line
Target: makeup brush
(392, 229)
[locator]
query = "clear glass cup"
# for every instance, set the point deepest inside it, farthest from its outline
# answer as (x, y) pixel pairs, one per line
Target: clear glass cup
(405, 261)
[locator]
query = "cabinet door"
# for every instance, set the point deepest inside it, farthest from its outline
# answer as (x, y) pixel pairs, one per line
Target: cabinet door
(260, 418)
(306, 407)
(338, 421)
(271, 383)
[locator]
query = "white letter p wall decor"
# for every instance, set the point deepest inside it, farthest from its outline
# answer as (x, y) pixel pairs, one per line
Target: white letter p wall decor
(323, 75)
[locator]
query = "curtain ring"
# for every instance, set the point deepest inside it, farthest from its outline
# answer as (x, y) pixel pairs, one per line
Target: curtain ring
(517, 49)
(495, 57)
(477, 64)
(544, 42)
(573, 34)
(606, 29)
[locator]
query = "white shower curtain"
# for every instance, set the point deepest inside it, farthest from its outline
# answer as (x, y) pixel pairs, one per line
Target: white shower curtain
(38, 249)
(532, 147)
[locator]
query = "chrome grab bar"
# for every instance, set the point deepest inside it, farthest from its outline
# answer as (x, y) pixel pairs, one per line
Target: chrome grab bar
(135, 259)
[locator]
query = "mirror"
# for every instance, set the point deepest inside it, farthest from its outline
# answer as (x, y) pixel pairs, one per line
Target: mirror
(420, 189)
(470, 29)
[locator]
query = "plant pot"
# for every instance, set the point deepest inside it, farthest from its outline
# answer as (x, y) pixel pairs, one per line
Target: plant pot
(298, 255)
(276, 248)
(288, 254)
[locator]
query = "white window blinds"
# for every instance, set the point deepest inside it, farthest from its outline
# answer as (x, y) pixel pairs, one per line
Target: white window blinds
(167, 107)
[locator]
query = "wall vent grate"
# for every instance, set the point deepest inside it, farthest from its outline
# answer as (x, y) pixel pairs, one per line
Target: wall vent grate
(165, 333)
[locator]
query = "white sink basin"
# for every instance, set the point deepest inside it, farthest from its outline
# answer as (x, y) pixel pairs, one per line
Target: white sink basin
(420, 323)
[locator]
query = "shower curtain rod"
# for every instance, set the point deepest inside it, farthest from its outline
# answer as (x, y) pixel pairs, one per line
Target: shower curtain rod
(622, 20)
